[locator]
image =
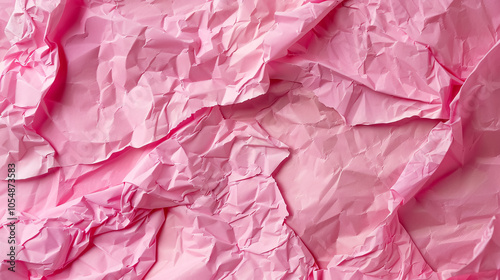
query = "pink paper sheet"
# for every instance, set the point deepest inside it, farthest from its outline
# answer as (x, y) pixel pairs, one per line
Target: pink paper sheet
(250, 139)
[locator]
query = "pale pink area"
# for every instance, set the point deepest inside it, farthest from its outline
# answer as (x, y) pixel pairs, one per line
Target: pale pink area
(455, 221)
(137, 71)
(338, 186)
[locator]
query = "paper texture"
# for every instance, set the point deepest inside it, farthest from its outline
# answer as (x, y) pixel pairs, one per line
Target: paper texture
(250, 139)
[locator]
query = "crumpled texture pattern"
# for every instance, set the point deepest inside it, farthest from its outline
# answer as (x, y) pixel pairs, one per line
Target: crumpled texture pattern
(251, 139)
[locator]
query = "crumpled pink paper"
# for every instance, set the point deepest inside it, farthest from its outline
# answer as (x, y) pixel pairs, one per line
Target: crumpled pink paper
(251, 139)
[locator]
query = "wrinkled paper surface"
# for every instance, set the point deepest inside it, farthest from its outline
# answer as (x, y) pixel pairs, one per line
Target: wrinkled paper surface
(251, 139)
